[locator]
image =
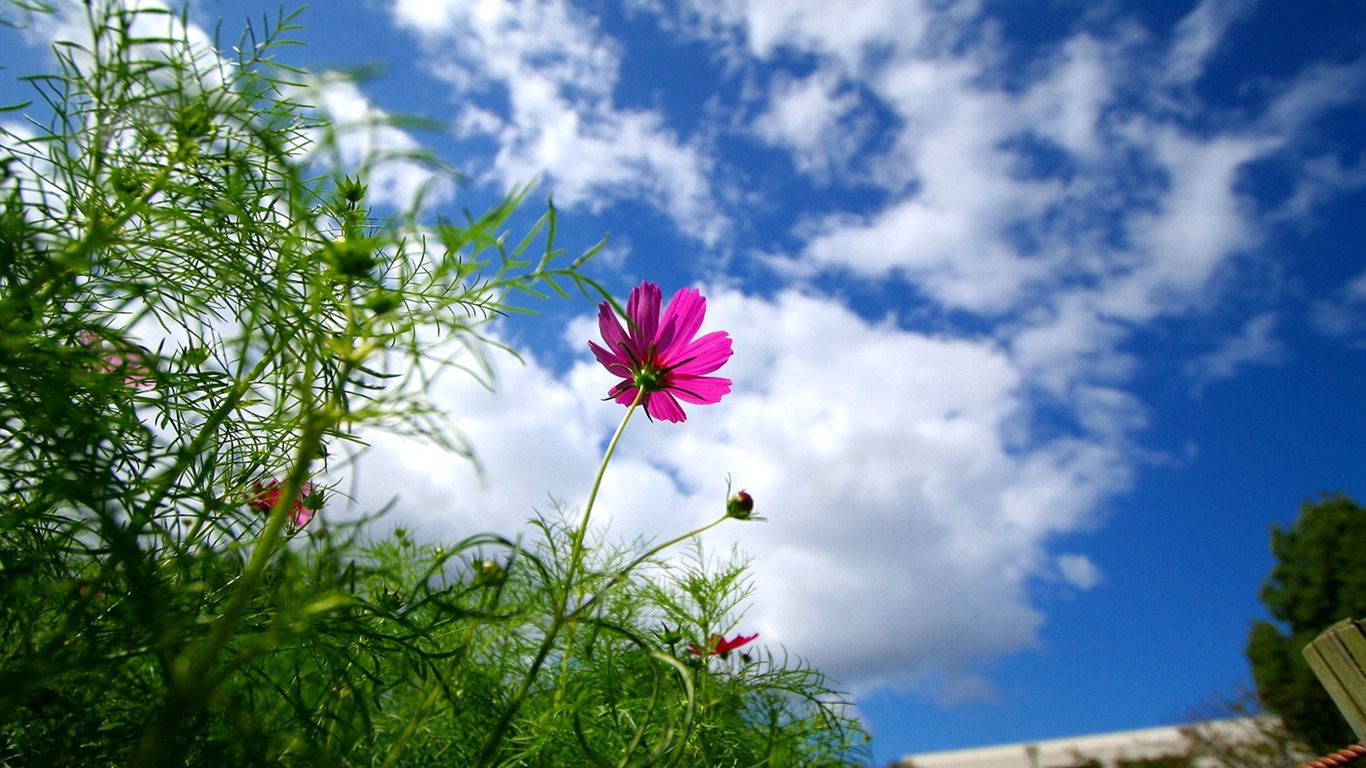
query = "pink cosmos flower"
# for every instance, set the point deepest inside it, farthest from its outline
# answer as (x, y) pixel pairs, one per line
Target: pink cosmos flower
(658, 354)
(267, 495)
(720, 646)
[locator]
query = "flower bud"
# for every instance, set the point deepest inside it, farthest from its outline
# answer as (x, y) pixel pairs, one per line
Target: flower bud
(381, 301)
(351, 258)
(488, 573)
(390, 599)
(195, 356)
(351, 190)
(740, 506)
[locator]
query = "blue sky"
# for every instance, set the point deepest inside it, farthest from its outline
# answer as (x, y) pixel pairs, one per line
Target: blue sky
(1043, 313)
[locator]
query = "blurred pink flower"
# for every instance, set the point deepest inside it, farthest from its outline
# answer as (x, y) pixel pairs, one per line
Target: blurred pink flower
(720, 646)
(658, 354)
(267, 495)
(124, 360)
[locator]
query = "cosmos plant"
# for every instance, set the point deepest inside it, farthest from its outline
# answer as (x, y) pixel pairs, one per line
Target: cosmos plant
(201, 319)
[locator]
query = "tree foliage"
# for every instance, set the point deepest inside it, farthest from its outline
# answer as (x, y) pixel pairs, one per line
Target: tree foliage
(1317, 581)
(1234, 731)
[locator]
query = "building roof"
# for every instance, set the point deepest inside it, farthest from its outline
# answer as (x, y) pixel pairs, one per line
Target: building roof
(1108, 748)
(1057, 753)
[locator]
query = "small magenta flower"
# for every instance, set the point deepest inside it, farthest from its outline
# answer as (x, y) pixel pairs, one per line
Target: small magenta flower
(305, 504)
(720, 646)
(658, 354)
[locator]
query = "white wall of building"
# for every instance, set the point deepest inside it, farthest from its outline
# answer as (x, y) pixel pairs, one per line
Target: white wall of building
(1069, 752)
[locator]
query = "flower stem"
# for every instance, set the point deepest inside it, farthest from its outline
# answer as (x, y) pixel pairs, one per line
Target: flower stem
(576, 553)
(558, 619)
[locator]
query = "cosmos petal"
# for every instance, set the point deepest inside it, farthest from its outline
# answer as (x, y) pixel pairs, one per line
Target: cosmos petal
(683, 317)
(705, 354)
(735, 642)
(625, 395)
(610, 327)
(718, 644)
(702, 390)
(642, 308)
(663, 407)
(609, 360)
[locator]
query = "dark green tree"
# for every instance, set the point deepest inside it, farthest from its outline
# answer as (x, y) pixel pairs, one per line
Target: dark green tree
(1318, 580)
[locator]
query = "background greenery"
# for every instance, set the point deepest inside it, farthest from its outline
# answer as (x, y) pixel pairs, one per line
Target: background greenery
(1317, 582)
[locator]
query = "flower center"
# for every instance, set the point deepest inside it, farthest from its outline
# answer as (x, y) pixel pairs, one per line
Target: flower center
(649, 376)
(647, 373)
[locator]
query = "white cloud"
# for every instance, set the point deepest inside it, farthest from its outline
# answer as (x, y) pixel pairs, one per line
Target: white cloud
(845, 30)
(533, 439)
(983, 229)
(1199, 35)
(1344, 314)
(367, 140)
(1313, 92)
(936, 246)
(1068, 103)
(806, 116)
(557, 72)
(1256, 345)
(1079, 571)
(977, 221)
(1070, 342)
(1200, 224)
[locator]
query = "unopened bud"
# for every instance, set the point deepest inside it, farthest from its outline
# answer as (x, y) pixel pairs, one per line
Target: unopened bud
(351, 190)
(488, 573)
(353, 259)
(391, 599)
(195, 356)
(740, 506)
(381, 301)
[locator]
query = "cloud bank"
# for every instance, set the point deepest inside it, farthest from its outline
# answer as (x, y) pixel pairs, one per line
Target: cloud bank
(1046, 205)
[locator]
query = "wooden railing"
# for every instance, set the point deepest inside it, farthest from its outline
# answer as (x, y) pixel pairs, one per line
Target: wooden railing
(1338, 658)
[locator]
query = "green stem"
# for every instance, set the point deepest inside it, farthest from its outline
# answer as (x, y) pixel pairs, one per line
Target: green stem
(576, 553)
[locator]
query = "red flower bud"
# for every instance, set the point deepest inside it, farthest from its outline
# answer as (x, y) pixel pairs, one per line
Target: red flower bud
(740, 506)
